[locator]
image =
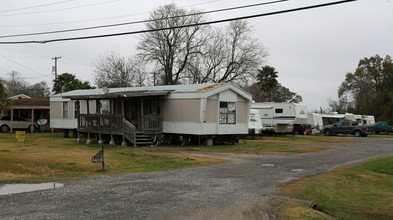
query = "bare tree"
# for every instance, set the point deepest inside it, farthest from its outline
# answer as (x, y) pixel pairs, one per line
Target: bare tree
(15, 84)
(113, 71)
(172, 47)
(138, 70)
(38, 90)
(230, 54)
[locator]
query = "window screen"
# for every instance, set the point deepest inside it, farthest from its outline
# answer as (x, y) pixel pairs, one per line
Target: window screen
(65, 109)
(227, 113)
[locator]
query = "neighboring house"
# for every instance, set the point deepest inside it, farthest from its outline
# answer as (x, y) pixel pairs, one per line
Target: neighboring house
(32, 109)
(199, 112)
(20, 96)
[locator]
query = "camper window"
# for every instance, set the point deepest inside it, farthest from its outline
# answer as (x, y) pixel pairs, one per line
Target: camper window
(279, 110)
(227, 113)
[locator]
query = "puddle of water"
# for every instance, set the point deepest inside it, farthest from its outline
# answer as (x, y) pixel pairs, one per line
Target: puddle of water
(267, 165)
(20, 188)
(297, 170)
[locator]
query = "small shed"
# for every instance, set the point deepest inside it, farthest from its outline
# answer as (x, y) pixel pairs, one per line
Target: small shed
(201, 112)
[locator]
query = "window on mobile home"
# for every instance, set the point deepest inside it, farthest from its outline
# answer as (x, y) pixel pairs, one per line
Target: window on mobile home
(227, 112)
(105, 107)
(65, 109)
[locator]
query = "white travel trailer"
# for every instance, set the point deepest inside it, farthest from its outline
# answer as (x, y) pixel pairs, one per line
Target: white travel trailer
(255, 123)
(331, 118)
(316, 122)
(353, 117)
(368, 119)
(281, 117)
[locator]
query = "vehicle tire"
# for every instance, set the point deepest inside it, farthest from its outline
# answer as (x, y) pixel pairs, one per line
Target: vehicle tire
(357, 133)
(385, 132)
(4, 129)
(328, 133)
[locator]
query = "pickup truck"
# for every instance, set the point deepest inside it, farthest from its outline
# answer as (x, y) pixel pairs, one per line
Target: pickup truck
(348, 127)
(384, 127)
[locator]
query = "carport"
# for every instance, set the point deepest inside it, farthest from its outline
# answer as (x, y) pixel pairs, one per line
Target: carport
(30, 108)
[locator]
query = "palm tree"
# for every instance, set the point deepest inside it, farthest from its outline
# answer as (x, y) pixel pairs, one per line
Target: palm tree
(267, 79)
(5, 102)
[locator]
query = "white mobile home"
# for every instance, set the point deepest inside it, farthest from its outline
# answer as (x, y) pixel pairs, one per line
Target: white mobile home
(281, 117)
(205, 112)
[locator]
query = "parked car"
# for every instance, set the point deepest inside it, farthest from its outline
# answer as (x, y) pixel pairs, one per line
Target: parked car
(384, 127)
(348, 127)
(18, 123)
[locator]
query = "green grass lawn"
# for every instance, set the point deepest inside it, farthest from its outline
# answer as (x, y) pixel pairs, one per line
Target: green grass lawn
(50, 156)
(361, 191)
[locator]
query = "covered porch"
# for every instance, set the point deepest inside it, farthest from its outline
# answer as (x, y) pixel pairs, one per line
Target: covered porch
(135, 117)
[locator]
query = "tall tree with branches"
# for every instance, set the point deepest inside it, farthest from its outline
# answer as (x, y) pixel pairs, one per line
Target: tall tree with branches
(230, 54)
(5, 102)
(267, 80)
(172, 46)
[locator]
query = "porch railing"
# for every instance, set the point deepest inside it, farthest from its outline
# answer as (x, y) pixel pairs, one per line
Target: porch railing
(129, 131)
(151, 124)
(116, 124)
(97, 123)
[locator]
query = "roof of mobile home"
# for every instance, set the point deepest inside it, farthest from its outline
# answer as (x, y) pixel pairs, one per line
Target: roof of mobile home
(193, 91)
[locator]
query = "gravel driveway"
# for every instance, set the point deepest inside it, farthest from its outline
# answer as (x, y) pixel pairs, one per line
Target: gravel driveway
(240, 189)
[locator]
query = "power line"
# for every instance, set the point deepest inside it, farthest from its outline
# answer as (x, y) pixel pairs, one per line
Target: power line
(36, 6)
(182, 26)
(98, 19)
(43, 75)
(143, 21)
(62, 9)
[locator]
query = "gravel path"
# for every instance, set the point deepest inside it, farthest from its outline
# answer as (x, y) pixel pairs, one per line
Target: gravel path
(240, 189)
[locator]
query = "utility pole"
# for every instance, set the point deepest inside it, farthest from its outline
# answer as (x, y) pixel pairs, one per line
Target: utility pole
(54, 68)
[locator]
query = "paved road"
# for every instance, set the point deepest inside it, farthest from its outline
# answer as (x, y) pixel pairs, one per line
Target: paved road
(240, 189)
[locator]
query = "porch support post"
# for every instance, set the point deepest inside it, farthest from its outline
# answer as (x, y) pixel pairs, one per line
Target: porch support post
(142, 122)
(100, 141)
(112, 142)
(88, 139)
(124, 143)
(78, 119)
(12, 119)
(87, 105)
(98, 106)
(122, 108)
(32, 121)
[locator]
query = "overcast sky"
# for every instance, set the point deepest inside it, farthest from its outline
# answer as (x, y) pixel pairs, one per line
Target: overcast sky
(312, 50)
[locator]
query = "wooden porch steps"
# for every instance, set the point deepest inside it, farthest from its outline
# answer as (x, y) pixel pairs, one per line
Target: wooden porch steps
(142, 139)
